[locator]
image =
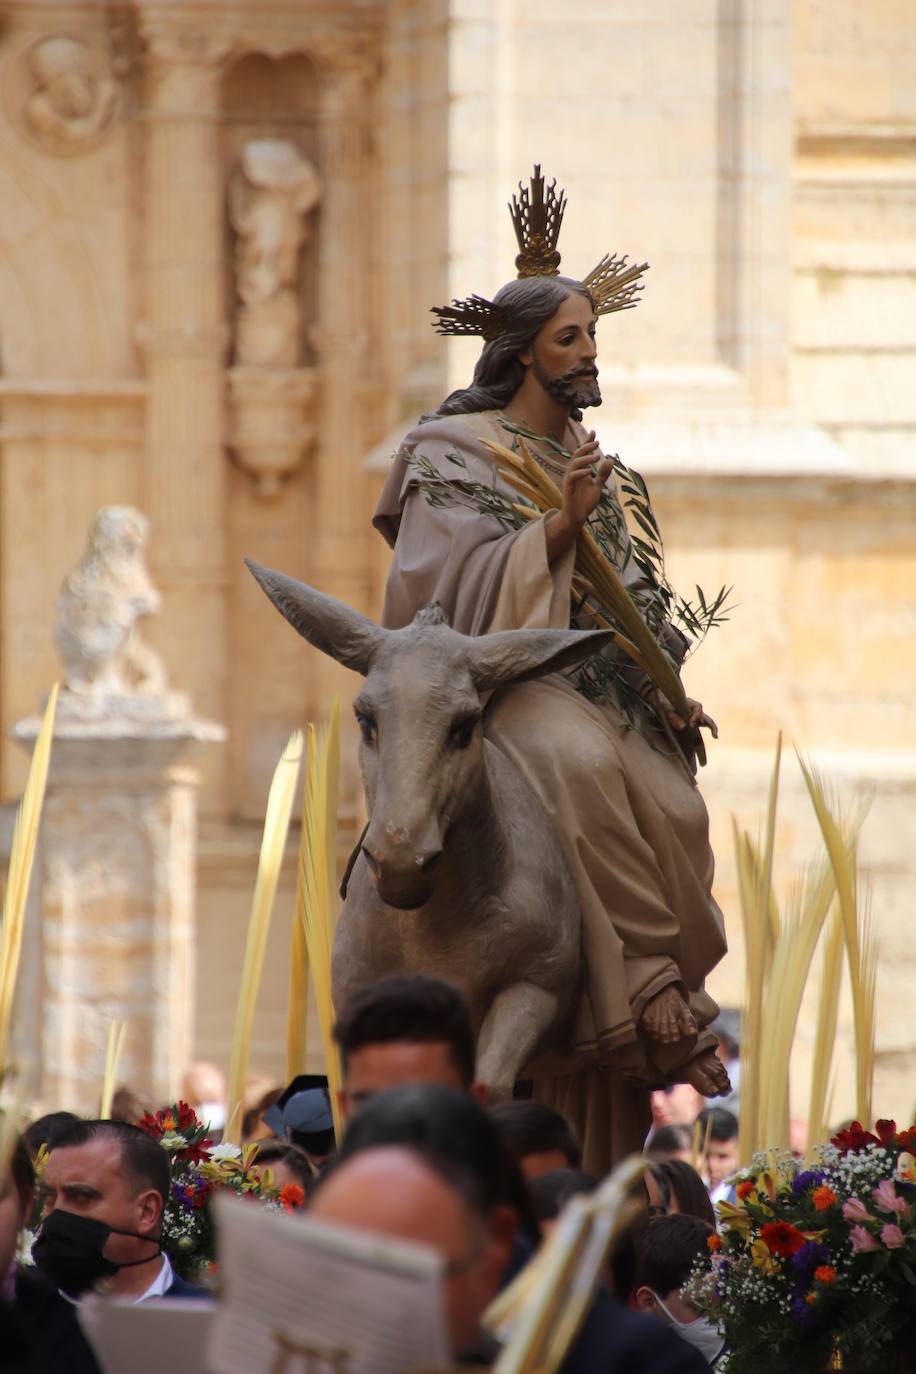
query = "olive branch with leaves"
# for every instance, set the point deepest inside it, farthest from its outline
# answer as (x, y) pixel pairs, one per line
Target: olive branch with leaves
(638, 614)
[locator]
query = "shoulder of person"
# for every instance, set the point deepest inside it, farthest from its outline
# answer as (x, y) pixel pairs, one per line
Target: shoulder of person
(614, 1340)
(52, 1326)
(181, 1288)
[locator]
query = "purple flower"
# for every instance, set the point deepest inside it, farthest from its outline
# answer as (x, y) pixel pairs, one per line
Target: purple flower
(808, 1258)
(803, 1313)
(808, 1178)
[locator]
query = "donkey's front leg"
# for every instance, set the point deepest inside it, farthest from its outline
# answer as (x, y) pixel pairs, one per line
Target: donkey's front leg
(511, 1031)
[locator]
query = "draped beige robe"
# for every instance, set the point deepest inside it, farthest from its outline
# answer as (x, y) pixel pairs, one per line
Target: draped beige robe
(631, 821)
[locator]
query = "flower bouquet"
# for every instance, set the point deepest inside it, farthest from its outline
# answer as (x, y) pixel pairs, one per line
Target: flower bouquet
(199, 1168)
(815, 1264)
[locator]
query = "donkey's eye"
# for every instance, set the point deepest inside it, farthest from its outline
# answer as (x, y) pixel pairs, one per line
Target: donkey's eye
(367, 727)
(462, 733)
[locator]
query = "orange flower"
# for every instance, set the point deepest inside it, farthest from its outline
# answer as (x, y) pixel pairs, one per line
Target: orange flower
(291, 1197)
(823, 1198)
(744, 1189)
(811, 1299)
(714, 1242)
(825, 1274)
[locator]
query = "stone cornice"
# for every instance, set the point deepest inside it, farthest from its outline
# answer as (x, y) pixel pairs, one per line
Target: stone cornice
(208, 31)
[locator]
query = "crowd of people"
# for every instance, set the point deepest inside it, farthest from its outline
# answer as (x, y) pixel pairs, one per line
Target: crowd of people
(424, 1156)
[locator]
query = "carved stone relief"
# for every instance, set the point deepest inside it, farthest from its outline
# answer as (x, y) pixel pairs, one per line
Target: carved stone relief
(99, 606)
(72, 94)
(271, 193)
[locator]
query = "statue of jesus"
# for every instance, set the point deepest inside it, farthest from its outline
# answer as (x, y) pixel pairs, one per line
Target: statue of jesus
(608, 770)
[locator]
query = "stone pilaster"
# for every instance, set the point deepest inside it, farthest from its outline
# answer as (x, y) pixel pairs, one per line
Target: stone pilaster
(184, 340)
(117, 894)
(341, 494)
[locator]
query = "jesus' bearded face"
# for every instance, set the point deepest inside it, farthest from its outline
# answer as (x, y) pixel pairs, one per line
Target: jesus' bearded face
(563, 352)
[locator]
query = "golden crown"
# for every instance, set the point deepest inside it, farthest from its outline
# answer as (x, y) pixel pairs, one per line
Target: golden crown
(537, 216)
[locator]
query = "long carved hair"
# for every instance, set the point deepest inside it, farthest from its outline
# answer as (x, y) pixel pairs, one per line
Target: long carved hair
(527, 306)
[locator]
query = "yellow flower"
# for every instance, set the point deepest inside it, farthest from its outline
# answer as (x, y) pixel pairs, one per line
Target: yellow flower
(762, 1259)
(735, 1218)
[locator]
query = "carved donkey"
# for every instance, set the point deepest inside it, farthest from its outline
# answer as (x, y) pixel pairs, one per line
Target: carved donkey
(460, 873)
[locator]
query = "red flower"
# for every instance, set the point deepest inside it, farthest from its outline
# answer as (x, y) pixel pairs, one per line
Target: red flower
(187, 1118)
(907, 1139)
(823, 1198)
(744, 1189)
(150, 1125)
(886, 1132)
(781, 1238)
(854, 1138)
(714, 1242)
(292, 1197)
(811, 1299)
(825, 1273)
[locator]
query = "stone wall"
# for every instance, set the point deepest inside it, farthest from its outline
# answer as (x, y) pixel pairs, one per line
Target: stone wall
(761, 156)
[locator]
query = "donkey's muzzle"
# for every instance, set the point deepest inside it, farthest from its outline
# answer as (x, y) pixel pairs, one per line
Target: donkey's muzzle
(402, 882)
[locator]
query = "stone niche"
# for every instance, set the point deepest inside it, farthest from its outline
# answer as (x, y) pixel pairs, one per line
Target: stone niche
(273, 198)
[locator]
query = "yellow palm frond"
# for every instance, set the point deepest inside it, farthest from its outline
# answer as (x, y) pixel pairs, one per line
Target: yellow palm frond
(526, 476)
(270, 861)
(22, 858)
(116, 1033)
(859, 947)
(761, 925)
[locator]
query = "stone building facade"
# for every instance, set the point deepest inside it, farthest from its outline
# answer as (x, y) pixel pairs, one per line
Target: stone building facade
(223, 225)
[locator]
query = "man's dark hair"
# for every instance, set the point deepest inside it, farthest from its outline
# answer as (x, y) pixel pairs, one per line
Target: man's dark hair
(550, 1192)
(680, 1183)
(531, 1128)
(41, 1132)
(413, 1008)
(527, 305)
(272, 1152)
(669, 1140)
(667, 1250)
(142, 1158)
(724, 1124)
(445, 1124)
(20, 1170)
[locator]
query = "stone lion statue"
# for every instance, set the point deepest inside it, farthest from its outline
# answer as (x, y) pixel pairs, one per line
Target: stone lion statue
(99, 606)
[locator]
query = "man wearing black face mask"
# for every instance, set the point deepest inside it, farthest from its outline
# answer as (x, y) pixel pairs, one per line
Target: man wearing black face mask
(105, 1186)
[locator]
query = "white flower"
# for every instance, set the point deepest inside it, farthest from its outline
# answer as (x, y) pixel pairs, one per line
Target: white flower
(172, 1141)
(225, 1151)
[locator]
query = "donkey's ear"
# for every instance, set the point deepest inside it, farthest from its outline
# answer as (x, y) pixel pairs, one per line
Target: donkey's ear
(331, 626)
(519, 655)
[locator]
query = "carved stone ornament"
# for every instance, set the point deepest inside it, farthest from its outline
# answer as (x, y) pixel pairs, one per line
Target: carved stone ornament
(71, 94)
(271, 192)
(272, 423)
(99, 607)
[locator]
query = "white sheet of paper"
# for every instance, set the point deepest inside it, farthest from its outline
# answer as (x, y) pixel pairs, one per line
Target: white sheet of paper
(289, 1282)
(147, 1337)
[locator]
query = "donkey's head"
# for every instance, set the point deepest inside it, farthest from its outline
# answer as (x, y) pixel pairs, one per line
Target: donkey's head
(419, 714)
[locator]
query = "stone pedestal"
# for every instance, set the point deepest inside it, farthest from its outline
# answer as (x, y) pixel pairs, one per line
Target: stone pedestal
(117, 893)
(272, 423)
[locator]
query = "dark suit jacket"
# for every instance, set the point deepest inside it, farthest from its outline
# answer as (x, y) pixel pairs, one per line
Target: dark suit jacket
(50, 1325)
(615, 1340)
(180, 1288)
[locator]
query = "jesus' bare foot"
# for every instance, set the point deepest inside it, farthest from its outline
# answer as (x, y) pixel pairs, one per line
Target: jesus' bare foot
(707, 1074)
(667, 1017)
